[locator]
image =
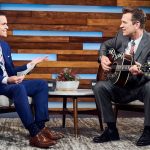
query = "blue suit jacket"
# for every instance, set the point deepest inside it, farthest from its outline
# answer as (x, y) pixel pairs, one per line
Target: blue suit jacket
(9, 66)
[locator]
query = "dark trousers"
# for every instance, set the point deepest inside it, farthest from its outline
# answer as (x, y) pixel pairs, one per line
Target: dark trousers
(105, 92)
(38, 90)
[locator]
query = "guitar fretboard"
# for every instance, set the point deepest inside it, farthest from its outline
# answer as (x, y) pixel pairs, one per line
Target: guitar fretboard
(121, 67)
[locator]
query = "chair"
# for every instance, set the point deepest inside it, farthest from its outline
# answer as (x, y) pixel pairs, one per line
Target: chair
(136, 106)
(132, 106)
(6, 104)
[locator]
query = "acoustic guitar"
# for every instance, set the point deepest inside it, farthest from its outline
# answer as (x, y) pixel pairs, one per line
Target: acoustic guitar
(120, 64)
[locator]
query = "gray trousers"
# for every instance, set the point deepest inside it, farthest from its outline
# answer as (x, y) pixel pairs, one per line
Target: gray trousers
(105, 92)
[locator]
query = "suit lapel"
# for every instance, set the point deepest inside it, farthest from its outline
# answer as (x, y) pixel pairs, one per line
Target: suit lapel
(4, 53)
(141, 46)
(125, 44)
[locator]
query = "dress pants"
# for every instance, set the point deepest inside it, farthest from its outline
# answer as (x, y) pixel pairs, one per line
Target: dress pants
(106, 92)
(38, 90)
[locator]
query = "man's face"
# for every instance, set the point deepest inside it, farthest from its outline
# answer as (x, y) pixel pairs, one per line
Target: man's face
(3, 26)
(127, 25)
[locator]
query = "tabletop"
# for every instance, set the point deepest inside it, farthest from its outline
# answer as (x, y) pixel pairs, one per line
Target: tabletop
(78, 92)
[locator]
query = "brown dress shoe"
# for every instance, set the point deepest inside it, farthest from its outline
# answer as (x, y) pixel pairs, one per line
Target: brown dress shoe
(51, 134)
(41, 141)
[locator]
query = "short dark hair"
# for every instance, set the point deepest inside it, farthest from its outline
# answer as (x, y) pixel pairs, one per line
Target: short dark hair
(137, 15)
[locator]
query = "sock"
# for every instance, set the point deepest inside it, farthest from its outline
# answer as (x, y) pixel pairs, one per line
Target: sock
(111, 125)
(40, 124)
(147, 128)
(33, 129)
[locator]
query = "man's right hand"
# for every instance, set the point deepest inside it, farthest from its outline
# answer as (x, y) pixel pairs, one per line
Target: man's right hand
(15, 79)
(105, 63)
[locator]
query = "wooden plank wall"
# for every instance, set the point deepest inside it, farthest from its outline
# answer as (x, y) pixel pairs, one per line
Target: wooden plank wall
(69, 49)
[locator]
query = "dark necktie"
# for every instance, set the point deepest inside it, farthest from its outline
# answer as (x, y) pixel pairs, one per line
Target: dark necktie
(132, 48)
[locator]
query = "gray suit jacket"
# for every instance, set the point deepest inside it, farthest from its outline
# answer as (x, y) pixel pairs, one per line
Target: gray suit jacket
(142, 55)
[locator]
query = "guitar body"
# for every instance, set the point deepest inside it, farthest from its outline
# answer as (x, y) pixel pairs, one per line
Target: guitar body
(119, 73)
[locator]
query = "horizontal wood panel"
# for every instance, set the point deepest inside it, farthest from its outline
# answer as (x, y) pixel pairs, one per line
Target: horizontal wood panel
(64, 2)
(98, 28)
(77, 15)
(34, 20)
(15, 13)
(36, 39)
(55, 70)
(88, 39)
(38, 76)
(44, 39)
(110, 33)
(72, 64)
(107, 22)
(133, 3)
(52, 51)
(47, 45)
(60, 15)
(76, 57)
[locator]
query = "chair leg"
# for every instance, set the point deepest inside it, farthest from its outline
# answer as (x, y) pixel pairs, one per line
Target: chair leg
(100, 121)
(64, 112)
(116, 110)
(99, 117)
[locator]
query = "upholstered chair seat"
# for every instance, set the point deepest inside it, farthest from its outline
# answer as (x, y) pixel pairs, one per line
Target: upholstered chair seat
(6, 102)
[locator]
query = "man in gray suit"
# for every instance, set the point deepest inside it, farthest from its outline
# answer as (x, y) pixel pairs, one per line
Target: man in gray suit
(133, 40)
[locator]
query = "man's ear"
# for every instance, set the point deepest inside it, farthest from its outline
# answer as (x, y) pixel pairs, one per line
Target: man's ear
(137, 24)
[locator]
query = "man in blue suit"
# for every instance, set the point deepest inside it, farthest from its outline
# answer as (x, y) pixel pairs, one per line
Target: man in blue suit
(13, 85)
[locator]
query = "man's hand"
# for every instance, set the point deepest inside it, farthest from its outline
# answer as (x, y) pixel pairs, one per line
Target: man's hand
(15, 79)
(135, 69)
(105, 63)
(38, 60)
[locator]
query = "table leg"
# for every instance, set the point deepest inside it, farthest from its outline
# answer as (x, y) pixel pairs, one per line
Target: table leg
(64, 112)
(75, 113)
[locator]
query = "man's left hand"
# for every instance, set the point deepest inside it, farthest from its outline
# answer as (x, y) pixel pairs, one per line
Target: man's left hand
(135, 69)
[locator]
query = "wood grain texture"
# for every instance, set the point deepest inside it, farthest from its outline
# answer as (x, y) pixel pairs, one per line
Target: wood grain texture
(54, 51)
(64, 2)
(137, 3)
(38, 76)
(55, 70)
(99, 28)
(77, 57)
(63, 64)
(52, 39)
(37, 39)
(46, 45)
(48, 21)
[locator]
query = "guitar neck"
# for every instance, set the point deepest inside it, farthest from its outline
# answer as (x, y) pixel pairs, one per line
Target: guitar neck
(121, 67)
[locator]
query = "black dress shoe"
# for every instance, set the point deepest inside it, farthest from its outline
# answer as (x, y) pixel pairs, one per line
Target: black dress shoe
(107, 135)
(144, 139)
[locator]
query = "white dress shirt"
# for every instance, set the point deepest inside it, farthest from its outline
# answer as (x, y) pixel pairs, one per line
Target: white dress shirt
(5, 75)
(137, 42)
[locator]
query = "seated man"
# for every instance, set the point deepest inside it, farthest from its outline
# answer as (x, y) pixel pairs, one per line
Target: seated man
(18, 89)
(133, 41)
